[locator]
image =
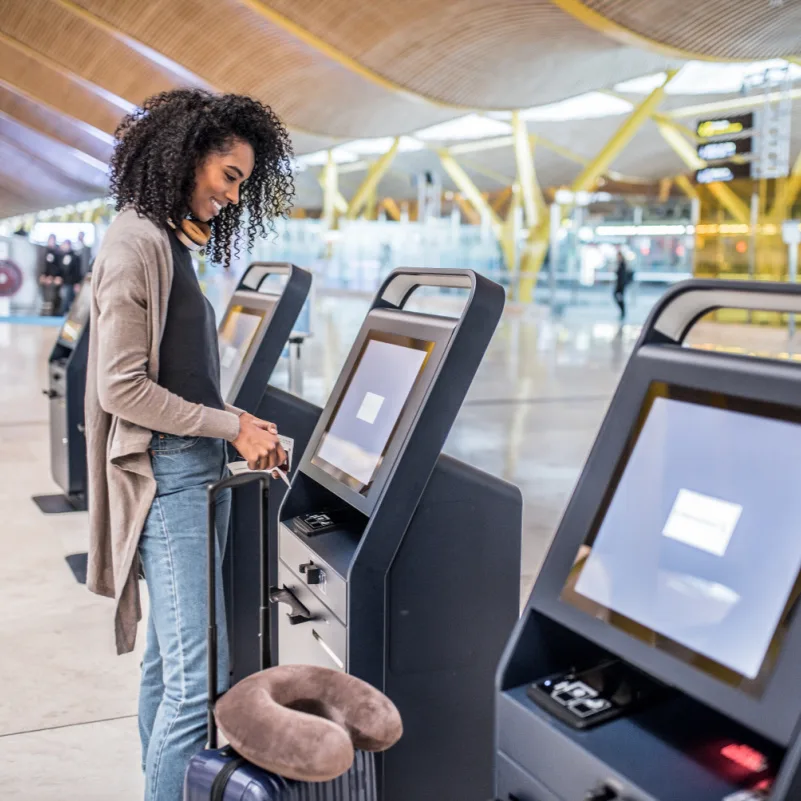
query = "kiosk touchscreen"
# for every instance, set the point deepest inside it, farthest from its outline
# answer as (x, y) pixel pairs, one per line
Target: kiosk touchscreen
(255, 328)
(396, 563)
(658, 653)
(66, 387)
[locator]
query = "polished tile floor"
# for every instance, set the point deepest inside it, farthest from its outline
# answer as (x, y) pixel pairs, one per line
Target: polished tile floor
(68, 704)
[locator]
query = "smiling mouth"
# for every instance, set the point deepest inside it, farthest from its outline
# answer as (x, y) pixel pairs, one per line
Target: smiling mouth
(217, 207)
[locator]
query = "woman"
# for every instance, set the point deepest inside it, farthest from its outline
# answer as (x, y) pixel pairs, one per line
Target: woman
(189, 167)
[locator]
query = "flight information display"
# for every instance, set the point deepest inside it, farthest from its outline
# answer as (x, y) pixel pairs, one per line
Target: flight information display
(698, 549)
(236, 336)
(357, 437)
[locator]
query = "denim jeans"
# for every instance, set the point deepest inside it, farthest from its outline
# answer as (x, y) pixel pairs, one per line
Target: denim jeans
(173, 692)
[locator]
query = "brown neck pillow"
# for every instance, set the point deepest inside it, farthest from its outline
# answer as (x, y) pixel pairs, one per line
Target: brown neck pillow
(303, 722)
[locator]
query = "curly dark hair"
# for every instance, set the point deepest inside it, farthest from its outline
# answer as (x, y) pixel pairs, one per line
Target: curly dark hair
(160, 145)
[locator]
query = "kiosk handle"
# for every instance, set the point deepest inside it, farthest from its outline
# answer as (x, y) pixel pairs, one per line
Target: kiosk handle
(687, 302)
(257, 273)
(400, 284)
(298, 613)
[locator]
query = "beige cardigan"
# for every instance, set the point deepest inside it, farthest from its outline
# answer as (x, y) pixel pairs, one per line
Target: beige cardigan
(131, 284)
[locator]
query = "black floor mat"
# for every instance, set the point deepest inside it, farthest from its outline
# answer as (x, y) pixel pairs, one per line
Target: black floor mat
(77, 564)
(59, 504)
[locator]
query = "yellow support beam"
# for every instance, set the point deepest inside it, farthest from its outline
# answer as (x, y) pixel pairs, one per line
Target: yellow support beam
(793, 184)
(469, 189)
(501, 198)
(533, 202)
(601, 163)
(480, 169)
(330, 182)
(336, 55)
(470, 214)
(687, 153)
(508, 238)
(687, 186)
(665, 185)
(370, 183)
(581, 11)
(391, 207)
(735, 104)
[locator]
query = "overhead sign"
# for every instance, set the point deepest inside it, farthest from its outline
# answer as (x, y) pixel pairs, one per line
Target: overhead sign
(726, 126)
(722, 173)
(725, 149)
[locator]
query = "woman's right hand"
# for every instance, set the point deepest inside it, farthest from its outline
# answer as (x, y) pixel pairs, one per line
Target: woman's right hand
(258, 443)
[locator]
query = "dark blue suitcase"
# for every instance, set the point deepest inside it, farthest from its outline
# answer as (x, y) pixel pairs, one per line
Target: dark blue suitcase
(219, 774)
(238, 780)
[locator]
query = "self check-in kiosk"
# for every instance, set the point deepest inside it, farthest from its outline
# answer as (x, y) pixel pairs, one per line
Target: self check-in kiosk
(396, 563)
(657, 658)
(255, 328)
(65, 391)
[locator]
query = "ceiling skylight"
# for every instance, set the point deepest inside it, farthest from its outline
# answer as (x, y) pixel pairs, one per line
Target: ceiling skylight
(591, 105)
(471, 126)
(704, 78)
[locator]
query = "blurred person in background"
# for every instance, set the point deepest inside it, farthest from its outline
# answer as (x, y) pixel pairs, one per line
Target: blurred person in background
(51, 280)
(623, 277)
(84, 254)
(70, 273)
(190, 170)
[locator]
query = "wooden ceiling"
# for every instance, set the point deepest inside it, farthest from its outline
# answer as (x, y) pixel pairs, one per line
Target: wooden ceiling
(332, 69)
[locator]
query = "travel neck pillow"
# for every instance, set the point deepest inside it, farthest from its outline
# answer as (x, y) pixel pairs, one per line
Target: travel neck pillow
(304, 722)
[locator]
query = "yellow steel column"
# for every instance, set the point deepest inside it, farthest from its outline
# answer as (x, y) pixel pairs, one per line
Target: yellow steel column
(687, 153)
(391, 207)
(370, 183)
(533, 202)
(509, 230)
(687, 186)
(793, 185)
(601, 163)
(665, 185)
(466, 186)
(330, 183)
(471, 215)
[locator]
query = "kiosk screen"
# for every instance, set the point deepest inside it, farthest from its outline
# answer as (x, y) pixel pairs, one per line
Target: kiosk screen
(696, 549)
(236, 336)
(78, 315)
(360, 429)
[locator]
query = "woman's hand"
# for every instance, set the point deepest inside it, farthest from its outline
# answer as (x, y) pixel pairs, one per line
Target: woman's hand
(258, 443)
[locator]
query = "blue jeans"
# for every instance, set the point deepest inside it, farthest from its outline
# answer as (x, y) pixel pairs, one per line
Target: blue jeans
(173, 692)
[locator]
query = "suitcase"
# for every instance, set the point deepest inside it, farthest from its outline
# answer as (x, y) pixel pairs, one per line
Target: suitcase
(220, 774)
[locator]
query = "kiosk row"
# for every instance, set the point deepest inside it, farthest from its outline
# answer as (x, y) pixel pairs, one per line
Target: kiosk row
(656, 657)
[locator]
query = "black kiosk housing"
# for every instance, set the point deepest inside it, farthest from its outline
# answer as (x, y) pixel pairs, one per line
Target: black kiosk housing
(657, 657)
(253, 333)
(396, 563)
(256, 326)
(66, 388)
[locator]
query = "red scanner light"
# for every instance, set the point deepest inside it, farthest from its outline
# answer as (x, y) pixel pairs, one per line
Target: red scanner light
(745, 756)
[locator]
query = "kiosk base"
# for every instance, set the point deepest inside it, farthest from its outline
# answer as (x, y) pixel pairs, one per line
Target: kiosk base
(60, 504)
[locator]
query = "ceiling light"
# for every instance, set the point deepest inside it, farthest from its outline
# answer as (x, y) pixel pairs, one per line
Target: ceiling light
(471, 126)
(591, 105)
(380, 145)
(704, 78)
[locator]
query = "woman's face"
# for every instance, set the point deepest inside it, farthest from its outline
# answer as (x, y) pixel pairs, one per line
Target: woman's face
(51, 241)
(218, 179)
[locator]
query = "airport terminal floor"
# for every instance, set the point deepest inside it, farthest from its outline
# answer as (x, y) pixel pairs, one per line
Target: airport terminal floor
(68, 707)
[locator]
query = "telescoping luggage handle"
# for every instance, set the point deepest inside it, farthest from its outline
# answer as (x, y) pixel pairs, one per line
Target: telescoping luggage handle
(687, 302)
(257, 273)
(213, 491)
(401, 283)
